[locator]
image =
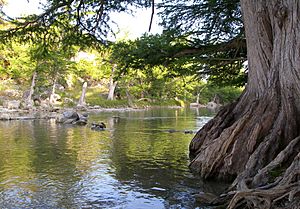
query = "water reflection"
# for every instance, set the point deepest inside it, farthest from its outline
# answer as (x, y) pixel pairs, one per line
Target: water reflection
(137, 163)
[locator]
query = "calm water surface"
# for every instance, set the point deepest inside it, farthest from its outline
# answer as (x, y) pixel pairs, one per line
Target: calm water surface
(136, 163)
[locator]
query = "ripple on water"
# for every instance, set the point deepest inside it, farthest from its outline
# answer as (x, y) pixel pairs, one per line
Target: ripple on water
(134, 164)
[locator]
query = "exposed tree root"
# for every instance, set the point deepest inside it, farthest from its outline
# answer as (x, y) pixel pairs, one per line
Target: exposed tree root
(280, 196)
(223, 147)
(284, 194)
(259, 151)
(276, 190)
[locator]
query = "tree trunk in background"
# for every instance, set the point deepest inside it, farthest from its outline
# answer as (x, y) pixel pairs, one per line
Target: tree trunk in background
(256, 140)
(111, 92)
(52, 99)
(198, 98)
(112, 85)
(129, 97)
(81, 101)
(29, 99)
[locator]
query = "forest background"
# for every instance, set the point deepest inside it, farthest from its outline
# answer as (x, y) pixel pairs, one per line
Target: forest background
(127, 71)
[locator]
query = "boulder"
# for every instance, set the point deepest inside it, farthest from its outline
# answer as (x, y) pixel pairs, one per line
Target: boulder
(12, 93)
(82, 120)
(13, 104)
(67, 117)
(5, 116)
(70, 114)
(72, 117)
(212, 105)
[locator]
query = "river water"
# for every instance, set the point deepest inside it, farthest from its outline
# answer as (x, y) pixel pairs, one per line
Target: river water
(136, 163)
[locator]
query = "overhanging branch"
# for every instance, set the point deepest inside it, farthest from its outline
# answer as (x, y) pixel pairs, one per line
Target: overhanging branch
(235, 44)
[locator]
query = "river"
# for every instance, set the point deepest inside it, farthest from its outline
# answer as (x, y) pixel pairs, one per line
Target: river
(139, 162)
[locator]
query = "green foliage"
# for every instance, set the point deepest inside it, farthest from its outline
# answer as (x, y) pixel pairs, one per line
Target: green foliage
(216, 42)
(155, 103)
(227, 94)
(203, 39)
(94, 97)
(82, 22)
(15, 62)
(103, 102)
(147, 51)
(179, 53)
(208, 20)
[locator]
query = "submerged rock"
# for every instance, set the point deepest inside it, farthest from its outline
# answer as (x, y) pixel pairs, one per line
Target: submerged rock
(184, 131)
(80, 122)
(205, 197)
(189, 131)
(172, 131)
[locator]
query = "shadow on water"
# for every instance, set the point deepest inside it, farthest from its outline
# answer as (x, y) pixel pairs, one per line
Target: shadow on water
(136, 163)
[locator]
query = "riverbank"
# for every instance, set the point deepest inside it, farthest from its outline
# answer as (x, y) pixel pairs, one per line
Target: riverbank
(39, 113)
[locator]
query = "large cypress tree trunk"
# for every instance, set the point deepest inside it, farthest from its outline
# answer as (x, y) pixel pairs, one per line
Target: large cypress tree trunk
(256, 140)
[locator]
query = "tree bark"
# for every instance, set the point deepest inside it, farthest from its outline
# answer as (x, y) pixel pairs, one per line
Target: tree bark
(52, 99)
(112, 85)
(29, 100)
(129, 97)
(111, 91)
(81, 102)
(247, 138)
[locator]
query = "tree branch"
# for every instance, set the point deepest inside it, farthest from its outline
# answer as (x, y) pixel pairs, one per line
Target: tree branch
(222, 47)
(152, 14)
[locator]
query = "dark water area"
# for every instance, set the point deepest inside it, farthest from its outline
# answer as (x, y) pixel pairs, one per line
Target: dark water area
(136, 163)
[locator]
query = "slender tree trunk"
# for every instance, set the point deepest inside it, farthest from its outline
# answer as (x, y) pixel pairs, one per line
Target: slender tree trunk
(29, 100)
(129, 97)
(81, 102)
(111, 92)
(52, 99)
(259, 134)
(198, 98)
(112, 85)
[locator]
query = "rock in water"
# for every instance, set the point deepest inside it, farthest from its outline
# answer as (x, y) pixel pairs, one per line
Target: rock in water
(82, 119)
(70, 114)
(72, 117)
(80, 122)
(98, 126)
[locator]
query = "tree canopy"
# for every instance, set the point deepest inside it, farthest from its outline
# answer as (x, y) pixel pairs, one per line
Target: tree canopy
(202, 37)
(87, 19)
(215, 36)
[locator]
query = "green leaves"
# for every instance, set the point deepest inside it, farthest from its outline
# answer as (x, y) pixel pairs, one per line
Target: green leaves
(216, 46)
(220, 63)
(209, 20)
(202, 39)
(89, 19)
(146, 51)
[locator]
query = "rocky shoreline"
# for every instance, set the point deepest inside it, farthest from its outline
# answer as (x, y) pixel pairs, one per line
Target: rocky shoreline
(52, 113)
(7, 114)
